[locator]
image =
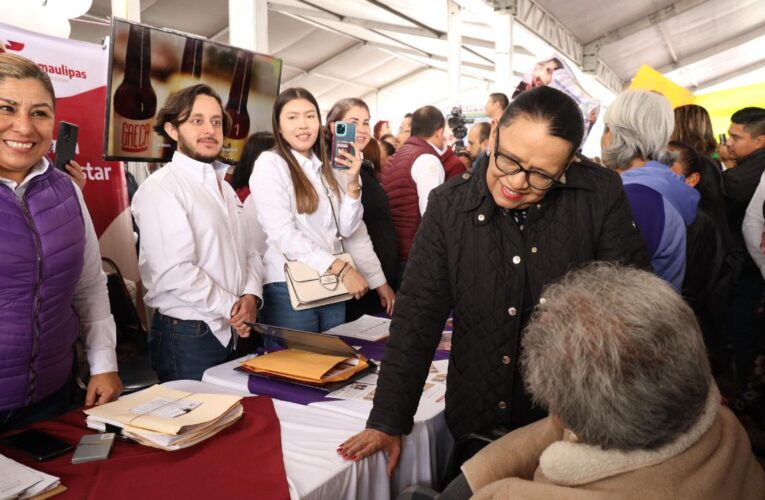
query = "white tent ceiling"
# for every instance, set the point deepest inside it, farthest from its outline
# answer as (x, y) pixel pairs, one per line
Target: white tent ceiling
(393, 53)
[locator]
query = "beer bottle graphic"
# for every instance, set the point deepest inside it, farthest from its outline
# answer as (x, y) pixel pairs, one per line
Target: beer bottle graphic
(189, 74)
(236, 107)
(191, 63)
(135, 102)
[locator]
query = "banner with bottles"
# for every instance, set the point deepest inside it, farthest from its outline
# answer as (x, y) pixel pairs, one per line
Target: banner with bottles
(148, 64)
(78, 72)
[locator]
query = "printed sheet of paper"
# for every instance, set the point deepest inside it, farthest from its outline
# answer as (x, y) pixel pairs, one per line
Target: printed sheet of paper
(18, 480)
(366, 327)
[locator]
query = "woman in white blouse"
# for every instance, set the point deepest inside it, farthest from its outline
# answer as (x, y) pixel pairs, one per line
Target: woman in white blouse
(292, 187)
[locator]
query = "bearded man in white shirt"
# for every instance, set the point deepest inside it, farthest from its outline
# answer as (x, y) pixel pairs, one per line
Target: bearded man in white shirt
(202, 276)
(422, 163)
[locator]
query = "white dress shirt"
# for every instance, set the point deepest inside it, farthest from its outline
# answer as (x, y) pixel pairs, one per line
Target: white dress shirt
(308, 238)
(91, 299)
(195, 260)
(754, 225)
(428, 173)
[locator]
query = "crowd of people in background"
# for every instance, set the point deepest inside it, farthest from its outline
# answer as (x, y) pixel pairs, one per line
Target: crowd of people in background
(672, 310)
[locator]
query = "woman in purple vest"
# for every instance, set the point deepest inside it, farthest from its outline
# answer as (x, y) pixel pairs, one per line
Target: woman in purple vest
(52, 288)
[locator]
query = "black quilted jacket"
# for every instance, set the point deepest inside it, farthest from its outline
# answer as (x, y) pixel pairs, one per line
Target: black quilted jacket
(470, 257)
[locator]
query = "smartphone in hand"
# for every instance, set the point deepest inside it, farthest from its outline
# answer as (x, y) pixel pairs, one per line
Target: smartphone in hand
(343, 140)
(723, 139)
(66, 144)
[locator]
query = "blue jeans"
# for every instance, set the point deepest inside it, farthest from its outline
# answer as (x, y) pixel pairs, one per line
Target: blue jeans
(277, 311)
(183, 349)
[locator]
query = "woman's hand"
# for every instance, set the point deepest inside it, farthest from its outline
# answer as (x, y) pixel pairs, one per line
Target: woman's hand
(355, 283)
(77, 174)
(369, 442)
(353, 162)
(387, 298)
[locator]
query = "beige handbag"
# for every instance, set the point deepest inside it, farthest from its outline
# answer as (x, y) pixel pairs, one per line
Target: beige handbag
(308, 288)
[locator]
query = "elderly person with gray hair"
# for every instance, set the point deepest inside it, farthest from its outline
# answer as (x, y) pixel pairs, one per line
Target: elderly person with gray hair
(638, 126)
(617, 358)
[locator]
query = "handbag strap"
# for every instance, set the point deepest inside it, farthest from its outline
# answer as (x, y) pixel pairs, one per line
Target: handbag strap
(332, 208)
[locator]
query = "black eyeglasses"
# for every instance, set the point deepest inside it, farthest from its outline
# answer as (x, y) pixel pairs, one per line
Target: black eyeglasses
(508, 166)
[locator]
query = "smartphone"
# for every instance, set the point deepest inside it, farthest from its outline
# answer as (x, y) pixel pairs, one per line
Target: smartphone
(38, 445)
(66, 144)
(342, 140)
(723, 139)
(93, 447)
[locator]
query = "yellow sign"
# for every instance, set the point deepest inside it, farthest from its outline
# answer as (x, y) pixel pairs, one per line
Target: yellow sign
(722, 104)
(648, 78)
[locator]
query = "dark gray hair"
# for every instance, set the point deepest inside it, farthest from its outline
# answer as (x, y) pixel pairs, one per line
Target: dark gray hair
(641, 124)
(618, 356)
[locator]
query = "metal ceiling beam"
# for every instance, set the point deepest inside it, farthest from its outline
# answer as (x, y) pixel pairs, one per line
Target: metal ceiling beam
(325, 62)
(541, 22)
(716, 48)
(376, 25)
(547, 27)
(645, 22)
(403, 52)
(730, 75)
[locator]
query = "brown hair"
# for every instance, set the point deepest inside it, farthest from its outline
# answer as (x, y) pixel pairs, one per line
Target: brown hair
(342, 106)
(306, 198)
(177, 108)
(372, 154)
(21, 68)
(694, 127)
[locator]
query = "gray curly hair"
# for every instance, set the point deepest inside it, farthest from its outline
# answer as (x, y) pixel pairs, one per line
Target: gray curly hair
(641, 124)
(618, 356)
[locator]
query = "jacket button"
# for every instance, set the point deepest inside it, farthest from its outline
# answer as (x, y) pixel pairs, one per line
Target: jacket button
(501, 405)
(539, 205)
(516, 260)
(533, 249)
(466, 176)
(505, 360)
(512, 311)
(481, 217)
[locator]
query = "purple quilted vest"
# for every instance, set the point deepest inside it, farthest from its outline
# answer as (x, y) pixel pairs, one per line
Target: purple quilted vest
(42, 241)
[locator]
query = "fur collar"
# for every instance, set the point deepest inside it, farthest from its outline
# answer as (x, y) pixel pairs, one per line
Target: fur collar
(572, 464)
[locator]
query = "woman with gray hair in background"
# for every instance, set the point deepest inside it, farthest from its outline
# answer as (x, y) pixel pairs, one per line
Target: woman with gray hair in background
(617, 358)
(638, 125)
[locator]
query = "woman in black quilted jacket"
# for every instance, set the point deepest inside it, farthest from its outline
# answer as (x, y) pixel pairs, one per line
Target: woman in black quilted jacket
(487, 245)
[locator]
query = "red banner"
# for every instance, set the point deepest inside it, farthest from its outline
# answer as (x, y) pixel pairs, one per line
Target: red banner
(78, 71)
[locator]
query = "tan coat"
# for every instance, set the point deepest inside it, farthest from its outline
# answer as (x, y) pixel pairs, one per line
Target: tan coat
(713, 460)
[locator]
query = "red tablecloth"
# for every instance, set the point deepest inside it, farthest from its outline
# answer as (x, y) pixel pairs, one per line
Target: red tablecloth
(242, 461)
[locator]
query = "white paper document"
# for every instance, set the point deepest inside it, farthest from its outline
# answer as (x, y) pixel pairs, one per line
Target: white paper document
(19, 481)
(366, 327)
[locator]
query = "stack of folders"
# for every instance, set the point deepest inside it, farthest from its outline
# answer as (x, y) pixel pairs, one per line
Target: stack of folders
(19, 481)
(166, 418)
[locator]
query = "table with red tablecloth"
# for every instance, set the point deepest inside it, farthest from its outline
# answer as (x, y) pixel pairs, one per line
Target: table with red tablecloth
(242, 461)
